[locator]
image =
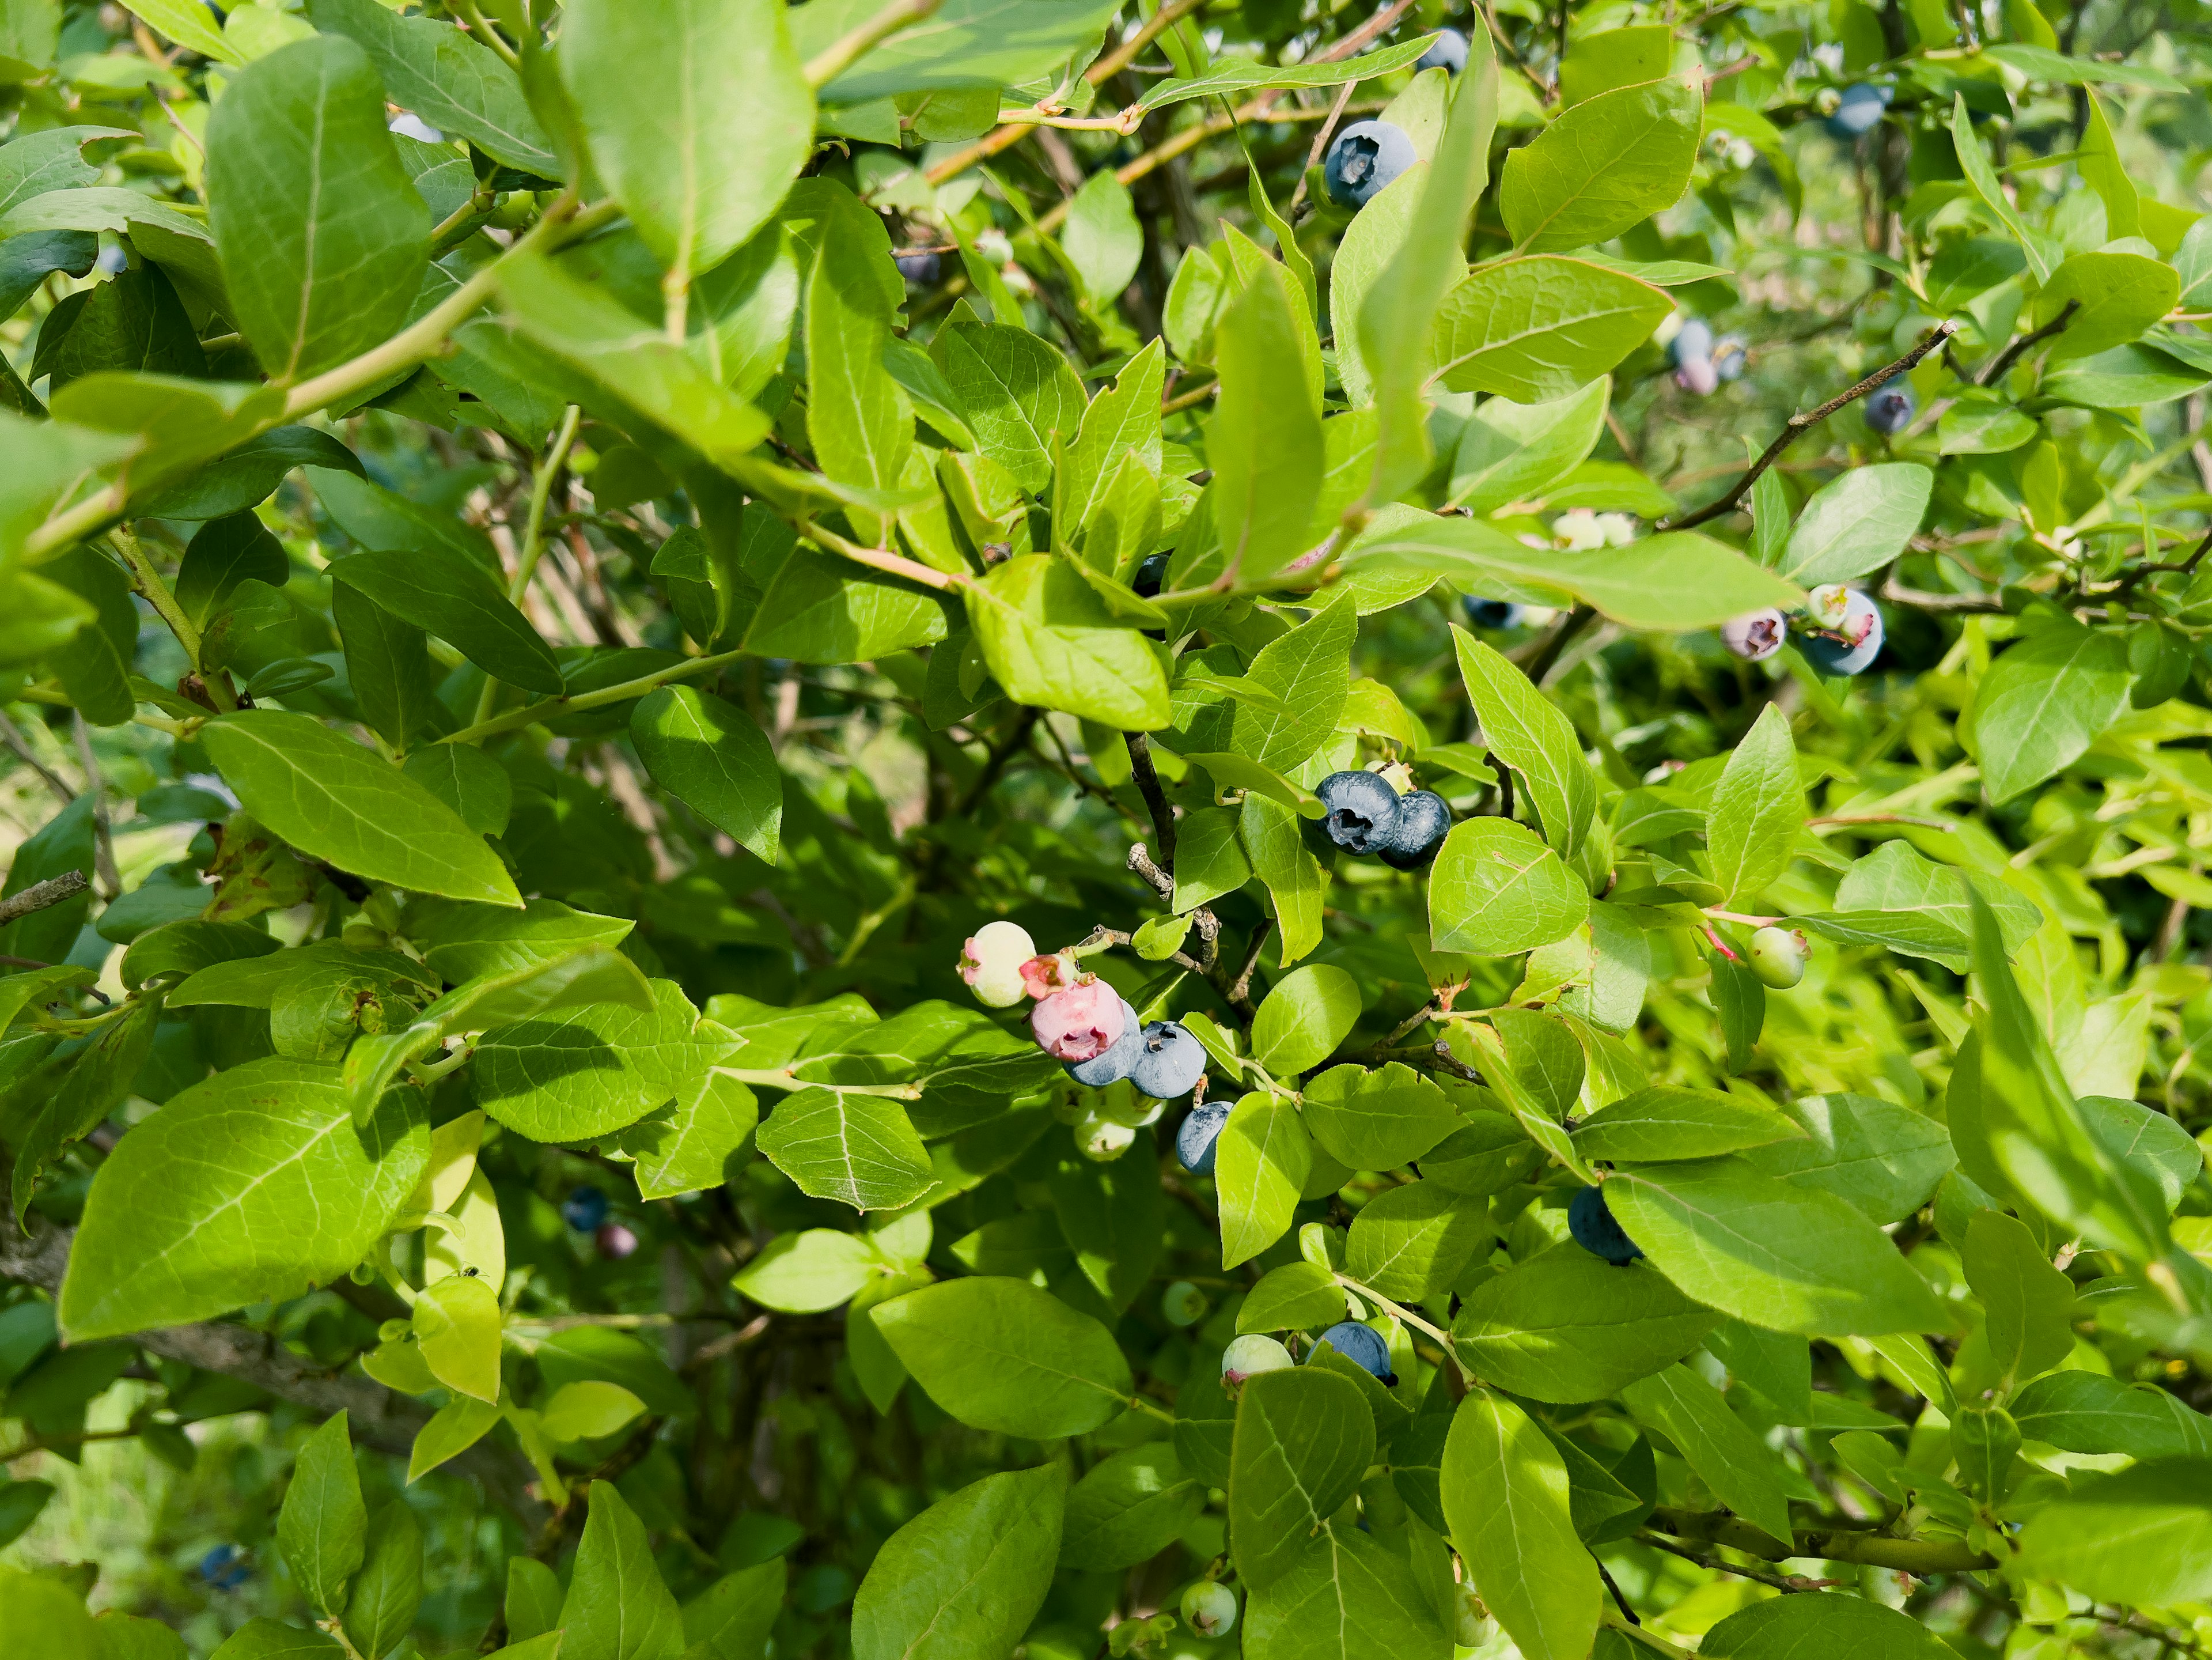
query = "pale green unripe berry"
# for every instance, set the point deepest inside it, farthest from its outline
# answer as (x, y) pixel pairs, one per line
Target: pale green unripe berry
(1183, 1304)
(1101, 1137)
(991, 964)
(1474, 1623)
(1777, 957)
(1252, 1353)
(1209, 1607)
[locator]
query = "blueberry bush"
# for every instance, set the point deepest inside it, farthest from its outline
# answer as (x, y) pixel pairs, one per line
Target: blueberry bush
(1053, 827)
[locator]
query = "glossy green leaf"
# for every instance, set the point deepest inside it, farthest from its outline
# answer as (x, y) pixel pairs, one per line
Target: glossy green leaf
(460, 604)
(1567, 1326)
(1540, 328)
(1496, 890)
(715, 761)
(1127, 1508)
(1603, 166)
(1377, 1119)
(1669, 1123)
(1732, 1460)
(1757, 811)
(1505, 1495)
(1303, 1439)
(999, 1354)
(322, 1523)
(1260, 1165)
(449, 78)
(966, 1575)
(1857, 523)
(617, 1608)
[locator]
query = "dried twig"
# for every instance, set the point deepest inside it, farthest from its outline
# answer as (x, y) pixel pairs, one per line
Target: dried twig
(39, 896)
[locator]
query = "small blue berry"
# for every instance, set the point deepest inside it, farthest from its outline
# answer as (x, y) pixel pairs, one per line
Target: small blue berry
(1890, 411)
(1150, 575)
(1596, 1232)
(1112, 1064)
(1363, 1346)
(1849, 631)
(1859, 110)
(1692, 343)
(1447, 53)
(584, 1209)
(920, 268)
(225, 1568)
(1169, 1061)
(1195, 1141)
(1730, 357)
(1494, 613)
(1365, 157)
(1361, 808)
(1419, 830)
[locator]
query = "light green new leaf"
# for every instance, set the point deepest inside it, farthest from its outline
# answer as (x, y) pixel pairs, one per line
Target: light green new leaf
(807, 1273)
(1051, 642)
(1368, 244)
(617, 1607)
(1532, 735)
(1264, 437)
(1540, 328)
(689, 1146)
(1882, 1160)
(1102, 239)
(448, 77)
(252, 1186)
(1260, 1163)
(1505, 1490)
(1857, 523)
(1720, 1447)
(1309, 670)
(1300, 1022)
(1301, 1295)
(964, 1578)
(323, 1522)
(1234, 75)
(1496, 890)
(861, 1150)
(1510, 452)
(1293, 875)
(2027, 1304)
(999, 1354)
(1603, 166)
(1771, 1253)
(456, 1328)
(698, 115)
(452, 1430)
(191, 25)
(1568, 1327)
(323, 237)
(1018, 394)
(960, 44)
(1303, 1439)
(1758, 810)
(710, 756)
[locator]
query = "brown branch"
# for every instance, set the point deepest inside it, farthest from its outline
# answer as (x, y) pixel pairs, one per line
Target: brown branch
(1913, 1556)
(1997, 369)
(1156, 800)
(1797, 424)
(1921, 599)
(1239, 993)
(1557, 642)
(39, 896)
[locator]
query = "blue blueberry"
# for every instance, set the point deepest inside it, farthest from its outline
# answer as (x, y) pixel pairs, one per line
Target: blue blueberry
(1692, 343)
(1417, 831)
(1150, 574)
(1890, 411)
(1730, 357)
(225, 1568)
(1363, 1346)
(1112, 1065)
(1195, 1140)
(1169, 1061)
(1361, 808)
(1596, 1232)
(1447, 53)
(585, 1210)
(1859, 110)
(1366, 156)
(1494, 613)
(1845, 634)
(919, 268)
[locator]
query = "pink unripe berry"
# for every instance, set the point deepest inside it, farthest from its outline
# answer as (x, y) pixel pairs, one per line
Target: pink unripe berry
(1756, 636)
(1044, 975)
(1079, 1023)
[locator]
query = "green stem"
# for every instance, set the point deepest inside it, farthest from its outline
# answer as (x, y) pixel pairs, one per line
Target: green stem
(777, 1078)
(1141, 1404)
(158, 595)
(530, 713)
(484, 31)
(1406, 1316)
(533, 532)
(841, 53)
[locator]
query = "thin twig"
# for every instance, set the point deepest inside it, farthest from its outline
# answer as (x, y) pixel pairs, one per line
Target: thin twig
(13, 736)
(103, 839)
(1996, 369)
(1796, 426)
(1148, 786)
(1785, 1583)
(41, 895)
(841, 53)
(1320, 146)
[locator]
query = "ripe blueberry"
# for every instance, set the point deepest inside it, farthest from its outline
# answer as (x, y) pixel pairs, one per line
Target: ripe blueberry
(1596, 1232)
(1417, 831)
(1890, 411)
(584, 1209)
(991, 963)
(1081, 1022)
(1249, 1354)
(1112, 1064)
(225, 1568)
(1756, 636)
(1209, 1607)
(1169, 1061)
(1858, 111)
(1361, 809)
(919, 268)
(1730, 357)
(1846, 631)
(1692, 342)
(1447, 53)
(1777, 957)
(1363, 1346)
(1195, 1139)
(1366, 156)
(1494, 613)
(1150, 574)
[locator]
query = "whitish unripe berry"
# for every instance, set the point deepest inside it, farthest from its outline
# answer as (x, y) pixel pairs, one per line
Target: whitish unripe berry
(1252, 1353)
(1755, 636)
(991, 963)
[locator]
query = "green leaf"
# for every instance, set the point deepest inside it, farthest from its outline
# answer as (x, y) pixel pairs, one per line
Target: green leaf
(476, 788)
(1127, 1508)
(1882, 1160)
(1614, 58)
(1510, 452)
(1603, 166)
(861, 1150)
(191, 25)
(1102, 237)
(821, 610)
(1051, 642)
(860, 418)
(460, 604)
(1409, 1243)
(965, 1578)
(2045, 702)
(807, 1273)
(697, 170)
(1540, 328)
(1302, 1020)
(1531, 735)
(999, 1354)
(1782, 1257)
(1668, 1123)
(2087, 1412)
(1793, 1626)
(2117, 296)
(254, 1185)
(335, 800)
(1303, 1439)
(1928, 910)
(707, 755)
(452, 1430)
(1857, 523)
(322, 1524)
(588, 1410)
(692, 1144)
(381, 1610)
(2141, 1536)
(1347, 1596)
(463, 943)
(1758, 810)
(1260, 1165)
(1300, 1295)
(1293, 876)
(449, 78)
(1496, 890)
(1018, 394)
(457, 1327)
(2043, 254)
(2027, 1304)
(1567, 1326)
(584, 1070)
(962, 43)
(1505, 1494)
(1112, 1217)
(1735, 1463)
(731, 1619)
(617, 1608)
(1265, 436)
(1377, 1120)
(1234, 75)
(324, 238)
(1377, 231)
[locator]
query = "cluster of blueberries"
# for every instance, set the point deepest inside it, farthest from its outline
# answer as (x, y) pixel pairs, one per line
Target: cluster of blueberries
(1701, 361)
(1079, 1019)
(1365, 815)
(1839, 631)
